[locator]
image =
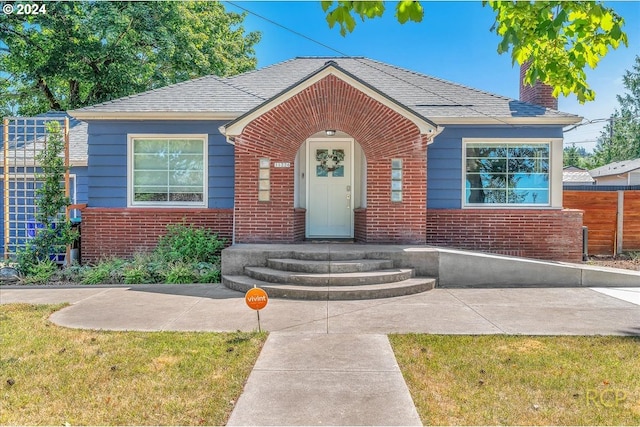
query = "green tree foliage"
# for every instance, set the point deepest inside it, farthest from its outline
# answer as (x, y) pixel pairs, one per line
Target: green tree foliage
(620, 139)
(82, 53)
(559, 38)
(578, 157)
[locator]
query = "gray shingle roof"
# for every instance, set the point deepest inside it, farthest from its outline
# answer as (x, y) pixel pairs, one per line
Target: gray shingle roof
(428, 96)
(616, 168)
(574, 175)
(22, 146)
(205, 94)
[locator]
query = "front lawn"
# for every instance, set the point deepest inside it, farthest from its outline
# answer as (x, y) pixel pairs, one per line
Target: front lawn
(520, 380)
(55, 376)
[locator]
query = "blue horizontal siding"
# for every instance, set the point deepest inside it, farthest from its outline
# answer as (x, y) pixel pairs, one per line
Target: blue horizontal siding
(82, 183)
(108, 159)
(444, 158)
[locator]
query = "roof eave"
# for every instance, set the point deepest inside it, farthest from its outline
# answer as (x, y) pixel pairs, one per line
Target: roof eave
(613, 173)
(488, 120)
(154, 115)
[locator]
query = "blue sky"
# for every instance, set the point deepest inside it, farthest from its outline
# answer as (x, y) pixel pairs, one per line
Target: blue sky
(453, 43)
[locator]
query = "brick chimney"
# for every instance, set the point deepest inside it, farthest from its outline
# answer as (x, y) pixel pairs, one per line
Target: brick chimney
(539, 94)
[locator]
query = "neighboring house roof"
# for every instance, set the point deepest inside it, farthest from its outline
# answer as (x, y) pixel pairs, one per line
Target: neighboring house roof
(227, 98)
(616, 168)
(22, 131)
(575, 175)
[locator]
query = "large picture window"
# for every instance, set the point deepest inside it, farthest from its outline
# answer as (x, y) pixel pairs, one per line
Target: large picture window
(168, 171)
(507, 174)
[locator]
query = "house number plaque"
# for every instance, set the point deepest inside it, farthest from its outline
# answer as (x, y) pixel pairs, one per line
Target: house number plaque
(282, 164)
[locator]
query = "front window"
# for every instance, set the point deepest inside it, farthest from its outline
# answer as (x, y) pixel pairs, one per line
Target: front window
(507, 174)
(168, 171)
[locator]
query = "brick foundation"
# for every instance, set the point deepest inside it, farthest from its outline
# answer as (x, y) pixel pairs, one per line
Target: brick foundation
(124, 232)
(299, 224)
(360, 225)
(534, 233)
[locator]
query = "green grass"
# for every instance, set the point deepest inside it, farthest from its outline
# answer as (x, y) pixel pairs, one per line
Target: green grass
(517, 380)
(53, 376)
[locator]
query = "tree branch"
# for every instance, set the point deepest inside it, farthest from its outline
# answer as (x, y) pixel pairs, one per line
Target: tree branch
(5, 29)
(53, 102)
(74, 93)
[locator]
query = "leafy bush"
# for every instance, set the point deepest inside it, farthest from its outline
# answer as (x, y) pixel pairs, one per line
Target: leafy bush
(137, 274)
(41, 272)
(180, 273)
(188, 244)
(207, 272)
(109, 271)
(73, 273)
(186, 254)
(634, 255)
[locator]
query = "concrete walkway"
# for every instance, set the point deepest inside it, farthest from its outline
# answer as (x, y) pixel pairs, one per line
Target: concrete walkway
(325, 379)
(537, 311)
(331, 362)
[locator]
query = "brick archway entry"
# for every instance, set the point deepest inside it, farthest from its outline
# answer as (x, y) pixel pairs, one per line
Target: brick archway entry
(383, 134)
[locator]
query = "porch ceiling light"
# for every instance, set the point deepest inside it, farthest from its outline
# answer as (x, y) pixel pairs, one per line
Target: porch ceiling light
(330, 132)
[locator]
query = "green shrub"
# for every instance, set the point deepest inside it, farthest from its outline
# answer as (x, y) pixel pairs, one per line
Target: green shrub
(137, 274)
(95, 276)
(73, 273)
(26, 261)
(180, 273)
(106, 272)
(186, 254)
(188, 244)
(41, 272)
(207, 272)
(634, 255)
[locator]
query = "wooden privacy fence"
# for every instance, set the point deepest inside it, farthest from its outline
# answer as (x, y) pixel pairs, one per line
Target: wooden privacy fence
(612, 217)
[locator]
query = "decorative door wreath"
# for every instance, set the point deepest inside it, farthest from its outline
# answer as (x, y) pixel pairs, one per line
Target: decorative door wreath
(329, 162)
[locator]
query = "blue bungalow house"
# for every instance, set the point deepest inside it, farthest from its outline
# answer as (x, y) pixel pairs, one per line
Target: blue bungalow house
(330, 148)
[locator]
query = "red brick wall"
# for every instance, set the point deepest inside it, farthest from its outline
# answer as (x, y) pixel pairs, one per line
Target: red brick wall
(330, 104)
(299, 226)
(360, 225)
(397, 222)
(125, 232)
(534, 233)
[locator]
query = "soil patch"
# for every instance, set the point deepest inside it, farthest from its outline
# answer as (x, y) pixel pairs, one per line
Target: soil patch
(621, 261)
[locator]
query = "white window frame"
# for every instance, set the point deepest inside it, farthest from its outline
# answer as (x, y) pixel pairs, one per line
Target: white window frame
(555, 173)
(205, 153)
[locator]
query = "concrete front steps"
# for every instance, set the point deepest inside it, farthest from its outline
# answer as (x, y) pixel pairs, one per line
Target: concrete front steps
(320, 276)
(451, 268)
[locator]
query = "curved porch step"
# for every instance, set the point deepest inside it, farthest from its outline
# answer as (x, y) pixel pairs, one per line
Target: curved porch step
(337, 255)
(334, 293)
(315, 266)
(339, 279)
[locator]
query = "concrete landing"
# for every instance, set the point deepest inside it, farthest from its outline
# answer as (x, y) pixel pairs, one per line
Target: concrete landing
(325, 379)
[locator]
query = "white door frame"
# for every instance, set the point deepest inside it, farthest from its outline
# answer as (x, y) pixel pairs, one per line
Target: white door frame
(311, 170)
